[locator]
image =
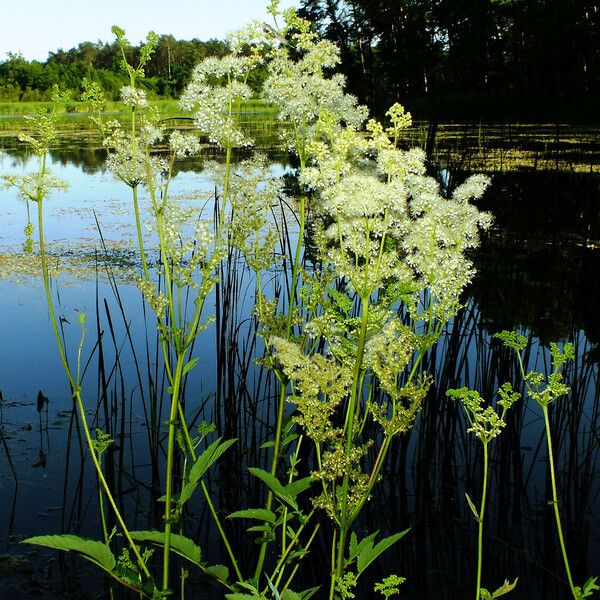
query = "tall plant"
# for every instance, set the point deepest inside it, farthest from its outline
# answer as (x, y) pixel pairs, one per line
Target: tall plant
(545, 390)
(369, 294)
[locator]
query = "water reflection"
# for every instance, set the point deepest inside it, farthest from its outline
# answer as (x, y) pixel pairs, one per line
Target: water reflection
(538, 271)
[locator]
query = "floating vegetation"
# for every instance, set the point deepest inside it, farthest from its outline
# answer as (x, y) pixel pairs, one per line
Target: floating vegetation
(81, 261)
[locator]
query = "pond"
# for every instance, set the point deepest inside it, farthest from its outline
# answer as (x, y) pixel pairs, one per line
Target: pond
(538, 271)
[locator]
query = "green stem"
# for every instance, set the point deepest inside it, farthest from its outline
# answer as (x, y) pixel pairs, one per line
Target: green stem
(346, 519)
(480, 521)
(213, 512)
(138, 226)
(296, 265)
(333, 565)
(217, 521)
(276, 449)
(561, 540)
(169, 472)
(77, 393)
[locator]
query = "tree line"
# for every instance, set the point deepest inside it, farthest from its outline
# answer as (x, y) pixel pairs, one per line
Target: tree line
(167, 73)
(477, 56)
(443, 59)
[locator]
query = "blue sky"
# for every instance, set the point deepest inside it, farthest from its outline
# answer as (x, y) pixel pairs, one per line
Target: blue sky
(36, 27)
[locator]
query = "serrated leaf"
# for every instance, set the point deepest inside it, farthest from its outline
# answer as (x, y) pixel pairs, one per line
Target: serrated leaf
(484, 594)
(296, 487)
(274, 485)
(505, 588)
(201, 465)
(357, 547)
(93, 550)
(588, 588)
(220, 572)
(472, 507)
(179, 544)
(239, 596)
(262, 514)
(288, 594)
(367, 556)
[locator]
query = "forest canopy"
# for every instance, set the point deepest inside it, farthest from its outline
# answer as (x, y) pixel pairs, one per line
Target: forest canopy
(444, 59)
(167, 73)
(524, 56)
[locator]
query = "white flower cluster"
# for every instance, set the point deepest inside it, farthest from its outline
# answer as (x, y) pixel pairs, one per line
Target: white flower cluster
(129, 158)
(36, 186)
(302, 92)
(134, 97)
(253, 191)
(252, 35)
(387, 221)
(184, 145)
(217, 87)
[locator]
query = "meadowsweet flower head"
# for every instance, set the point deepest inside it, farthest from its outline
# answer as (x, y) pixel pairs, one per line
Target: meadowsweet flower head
(302, 91)
(134, 97)
(217, 84)
(36, 186)
(184, 145)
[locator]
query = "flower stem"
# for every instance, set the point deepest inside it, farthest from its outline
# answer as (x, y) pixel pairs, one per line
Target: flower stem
(561, 540)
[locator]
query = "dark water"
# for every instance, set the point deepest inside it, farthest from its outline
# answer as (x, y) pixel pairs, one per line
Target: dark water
(538, 272)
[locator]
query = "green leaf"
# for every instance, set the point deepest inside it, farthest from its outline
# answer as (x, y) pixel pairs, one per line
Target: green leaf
(179, 544)
(288, 594)
(202, 464)
(276, 595)
(220, 572)
(356, 548)
(262, 514)
(296, 487)
(269, 444)
(190, 365)
(484, 594)
(274, 485)
(589, 587)
(368, 555)
(289, 439)
(309, 593)
(505, 588)
(472, 507)
(95, 551)
(260, 528)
